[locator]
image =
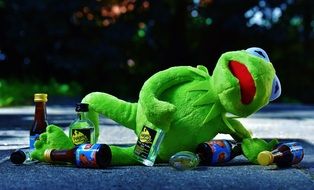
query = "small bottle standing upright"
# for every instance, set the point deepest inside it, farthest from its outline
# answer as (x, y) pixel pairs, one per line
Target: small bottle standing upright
(40, 119)
(147, 146)
(84, 155)
(285, 155)
(82, 130)
(217, 151)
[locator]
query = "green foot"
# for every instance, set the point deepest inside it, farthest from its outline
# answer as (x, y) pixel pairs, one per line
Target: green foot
(53, 138)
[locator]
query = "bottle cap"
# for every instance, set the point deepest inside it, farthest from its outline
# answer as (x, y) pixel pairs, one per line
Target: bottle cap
(204, 153)
(18, 157)
(81, 107)
(265, 158)
(47, 155)
(40, 97)
(103, 156)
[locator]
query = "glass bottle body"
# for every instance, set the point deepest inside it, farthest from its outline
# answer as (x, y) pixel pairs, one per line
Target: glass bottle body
(184, 160)
(147, 146)
(217, 151)
(40, 119)
(82, 130)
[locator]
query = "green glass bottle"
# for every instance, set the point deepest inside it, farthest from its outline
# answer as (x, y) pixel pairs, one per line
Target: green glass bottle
(82, 130)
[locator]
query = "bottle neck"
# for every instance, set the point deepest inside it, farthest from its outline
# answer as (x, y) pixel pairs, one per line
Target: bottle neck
(236, 150)
(63, 155)
(280, 152)
(40, 112)
(277, 155)
(81, 115)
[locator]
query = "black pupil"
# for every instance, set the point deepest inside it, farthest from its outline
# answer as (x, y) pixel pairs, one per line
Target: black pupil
(260, 53)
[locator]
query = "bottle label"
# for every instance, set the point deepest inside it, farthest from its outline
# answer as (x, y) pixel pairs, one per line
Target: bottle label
(145, 142)
(81, 136)
(297, 152)
(221, 150)
(86, 155)
(32, 140)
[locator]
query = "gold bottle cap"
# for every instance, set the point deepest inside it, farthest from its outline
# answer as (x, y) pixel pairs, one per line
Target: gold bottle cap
(40, 97)
(47, 155)
(265, 158)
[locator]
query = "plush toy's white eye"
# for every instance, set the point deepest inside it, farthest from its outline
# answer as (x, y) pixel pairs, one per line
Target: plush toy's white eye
(276, 89)
(259, 52)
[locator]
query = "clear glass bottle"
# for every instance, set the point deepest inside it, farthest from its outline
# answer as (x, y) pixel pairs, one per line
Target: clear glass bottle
(184, 160)
(147, 146)
(84, 155)
(40, 119)
(82, 130)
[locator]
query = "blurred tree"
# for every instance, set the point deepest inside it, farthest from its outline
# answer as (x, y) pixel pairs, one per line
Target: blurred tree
(115, 45)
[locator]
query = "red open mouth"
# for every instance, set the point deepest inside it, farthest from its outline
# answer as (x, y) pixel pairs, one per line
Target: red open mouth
(246, 81)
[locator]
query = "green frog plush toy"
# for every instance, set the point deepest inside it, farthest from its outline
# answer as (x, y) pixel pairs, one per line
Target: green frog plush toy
(188, 105)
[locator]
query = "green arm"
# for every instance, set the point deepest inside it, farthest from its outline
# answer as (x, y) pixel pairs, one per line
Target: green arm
(118, 110)
(240, 132)
(251, 147)
(160, 112)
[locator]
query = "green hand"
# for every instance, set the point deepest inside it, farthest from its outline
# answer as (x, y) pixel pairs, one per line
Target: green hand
(252, 147)
(162, 115)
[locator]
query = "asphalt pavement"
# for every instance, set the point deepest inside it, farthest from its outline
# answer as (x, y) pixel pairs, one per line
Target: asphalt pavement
(285, 122)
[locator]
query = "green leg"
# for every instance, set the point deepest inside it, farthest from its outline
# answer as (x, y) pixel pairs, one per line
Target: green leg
(123, 156)
(240, 131)
(118, 110)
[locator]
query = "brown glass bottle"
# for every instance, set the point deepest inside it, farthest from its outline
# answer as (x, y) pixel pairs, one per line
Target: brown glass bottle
(84, 155)
(40, 119)
(217, 151)
(285, 155)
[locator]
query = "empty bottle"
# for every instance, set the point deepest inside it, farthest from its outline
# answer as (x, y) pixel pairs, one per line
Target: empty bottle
(218, 151)
(40, 119)
(82, 130)
(84, 155)
(184, 160)
(147, 146)
(285, 155)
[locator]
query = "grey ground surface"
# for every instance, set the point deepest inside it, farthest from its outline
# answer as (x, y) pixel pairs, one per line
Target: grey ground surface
(285, 122)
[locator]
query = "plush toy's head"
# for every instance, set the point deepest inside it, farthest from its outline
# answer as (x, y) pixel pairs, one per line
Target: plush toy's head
(245, 81)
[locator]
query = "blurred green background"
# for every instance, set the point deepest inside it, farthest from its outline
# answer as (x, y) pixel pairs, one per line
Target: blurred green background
(71, 48)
